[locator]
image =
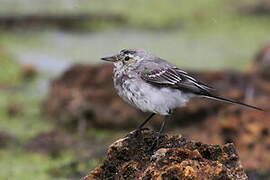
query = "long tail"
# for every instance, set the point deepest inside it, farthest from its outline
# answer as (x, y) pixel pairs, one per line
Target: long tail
(210, 96)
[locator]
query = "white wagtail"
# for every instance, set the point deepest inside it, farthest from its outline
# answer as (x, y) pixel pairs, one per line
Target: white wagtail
(154, 85)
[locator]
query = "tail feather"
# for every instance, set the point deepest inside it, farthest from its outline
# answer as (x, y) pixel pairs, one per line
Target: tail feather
(210, 96)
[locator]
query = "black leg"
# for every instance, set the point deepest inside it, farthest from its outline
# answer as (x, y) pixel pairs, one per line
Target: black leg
(163, 125)
(145, 121)
(159, 135)
(164, 122)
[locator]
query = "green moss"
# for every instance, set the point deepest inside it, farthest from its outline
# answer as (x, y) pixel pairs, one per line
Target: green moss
(18, 164)
(9, 69)
(28, 123)
(158, 13)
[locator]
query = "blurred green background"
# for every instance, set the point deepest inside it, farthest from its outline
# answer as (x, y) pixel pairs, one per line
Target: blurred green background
(39, 39)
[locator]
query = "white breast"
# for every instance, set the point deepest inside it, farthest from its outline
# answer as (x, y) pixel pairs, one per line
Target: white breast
(145, 96)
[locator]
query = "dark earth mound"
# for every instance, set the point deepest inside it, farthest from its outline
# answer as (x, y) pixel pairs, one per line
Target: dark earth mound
(141, 156)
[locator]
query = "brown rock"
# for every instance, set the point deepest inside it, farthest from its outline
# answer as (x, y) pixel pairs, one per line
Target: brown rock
(262, 62)
(247, 129)
(138, 156)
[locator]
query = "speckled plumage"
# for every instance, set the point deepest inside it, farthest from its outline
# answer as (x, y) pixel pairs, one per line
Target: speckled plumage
(145, 96)
(154, 85)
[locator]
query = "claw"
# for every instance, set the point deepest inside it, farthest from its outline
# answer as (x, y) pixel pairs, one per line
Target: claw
(156, 141)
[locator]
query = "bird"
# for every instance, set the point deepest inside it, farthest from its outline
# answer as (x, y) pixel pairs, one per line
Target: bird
(154, 85)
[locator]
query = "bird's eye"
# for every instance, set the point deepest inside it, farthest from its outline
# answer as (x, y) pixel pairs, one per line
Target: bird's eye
(127, 58)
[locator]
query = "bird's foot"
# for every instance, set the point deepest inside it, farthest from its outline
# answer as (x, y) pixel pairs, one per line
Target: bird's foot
(157, 140)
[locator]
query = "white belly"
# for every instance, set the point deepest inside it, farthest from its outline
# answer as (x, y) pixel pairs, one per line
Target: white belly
(150, 98)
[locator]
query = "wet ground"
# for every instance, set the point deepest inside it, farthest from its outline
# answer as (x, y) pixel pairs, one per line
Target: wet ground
(200, 35)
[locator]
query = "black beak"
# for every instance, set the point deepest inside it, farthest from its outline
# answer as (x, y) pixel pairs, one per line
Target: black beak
(110, 58)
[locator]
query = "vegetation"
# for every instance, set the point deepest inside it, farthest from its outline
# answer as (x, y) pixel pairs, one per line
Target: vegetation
(9, 69)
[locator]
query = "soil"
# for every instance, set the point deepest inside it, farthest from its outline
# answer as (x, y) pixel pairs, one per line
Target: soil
(146, 155)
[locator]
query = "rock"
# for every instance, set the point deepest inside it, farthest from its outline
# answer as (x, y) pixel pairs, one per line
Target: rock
(249, 130)
(262, 62)
(137, 156)
(259, 74)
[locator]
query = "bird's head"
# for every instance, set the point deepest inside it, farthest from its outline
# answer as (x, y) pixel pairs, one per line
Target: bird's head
(127, 57)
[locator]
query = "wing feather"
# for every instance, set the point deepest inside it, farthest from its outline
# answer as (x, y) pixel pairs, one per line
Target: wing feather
(175, 78)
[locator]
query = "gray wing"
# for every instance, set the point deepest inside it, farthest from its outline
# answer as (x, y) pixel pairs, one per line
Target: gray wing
(174, 78)
(160, 73)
